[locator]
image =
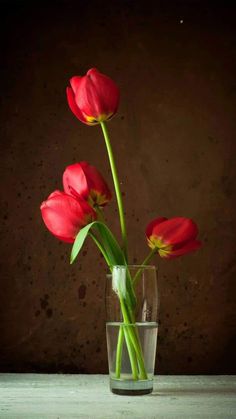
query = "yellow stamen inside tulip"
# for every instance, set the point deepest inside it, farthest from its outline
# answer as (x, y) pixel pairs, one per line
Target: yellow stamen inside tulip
(96, 199)
(164, 253)
(103, 117)
(164, 249)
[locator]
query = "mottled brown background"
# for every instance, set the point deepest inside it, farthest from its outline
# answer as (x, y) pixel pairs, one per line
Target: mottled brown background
(174, 138)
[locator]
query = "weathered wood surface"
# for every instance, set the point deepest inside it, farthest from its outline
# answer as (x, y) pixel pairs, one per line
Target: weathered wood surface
(43, 396)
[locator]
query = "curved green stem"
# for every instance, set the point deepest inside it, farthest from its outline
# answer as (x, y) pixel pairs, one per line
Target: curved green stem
(117, 187)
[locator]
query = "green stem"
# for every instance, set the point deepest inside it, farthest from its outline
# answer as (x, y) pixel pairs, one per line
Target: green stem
(145, 262)
(119, 351)
(128, 332)
(138, 350)
(131, 328)
(131, 335)
(128, 327)
(117, 187)
(131, 352)
(134, 339)
(129, 318)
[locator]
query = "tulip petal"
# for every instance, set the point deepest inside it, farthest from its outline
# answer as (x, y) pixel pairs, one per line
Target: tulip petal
(188, 248)
(99, 190)
(108, 91)
(88, 101)
(152, 224)
(75, 82)
(64, 215)
(84, 180)
(72, 104)
(75, 182)
(176, 231)
(55, 193)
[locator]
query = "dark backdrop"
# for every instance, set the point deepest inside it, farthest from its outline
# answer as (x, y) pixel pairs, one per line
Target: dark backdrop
(174, 139)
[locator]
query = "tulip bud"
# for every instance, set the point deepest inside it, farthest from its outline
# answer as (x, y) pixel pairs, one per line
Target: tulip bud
(93, 98)
(64, 215)
(84, 181)
(173, 237)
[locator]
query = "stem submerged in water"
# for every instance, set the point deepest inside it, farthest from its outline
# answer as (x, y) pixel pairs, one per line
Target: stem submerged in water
(132, 342)
(119, 351)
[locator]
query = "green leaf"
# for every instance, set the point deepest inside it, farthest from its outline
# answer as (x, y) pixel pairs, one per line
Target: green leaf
(112, 249)
(79, 241)
(110, 244)
(116, 256)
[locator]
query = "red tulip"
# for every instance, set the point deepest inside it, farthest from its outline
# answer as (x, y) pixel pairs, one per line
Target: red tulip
(84, 181)
(173, 237)
(64, 215)
(93, 98)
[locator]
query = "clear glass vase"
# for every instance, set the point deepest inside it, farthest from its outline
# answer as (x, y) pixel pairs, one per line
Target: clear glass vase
(131, 328)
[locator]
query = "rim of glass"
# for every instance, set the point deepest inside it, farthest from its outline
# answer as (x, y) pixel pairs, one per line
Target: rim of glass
(134, 266)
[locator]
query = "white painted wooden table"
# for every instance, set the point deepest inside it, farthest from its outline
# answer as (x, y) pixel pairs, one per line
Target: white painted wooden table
(57, 396)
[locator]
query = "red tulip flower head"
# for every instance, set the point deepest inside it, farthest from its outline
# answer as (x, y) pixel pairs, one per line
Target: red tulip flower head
(65, 215)
(93, 98)
(172, 237)
(84, 181)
